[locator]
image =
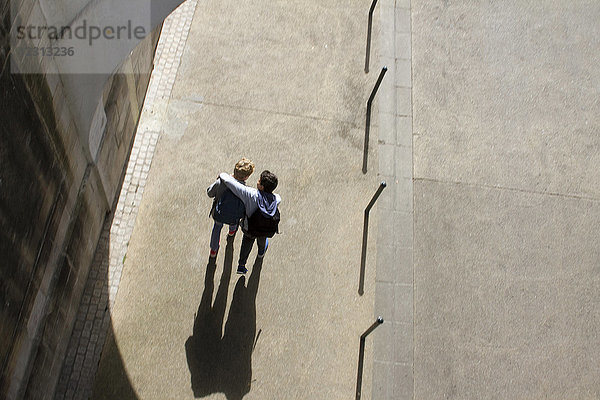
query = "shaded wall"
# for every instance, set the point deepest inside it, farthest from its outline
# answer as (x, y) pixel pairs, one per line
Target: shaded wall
(53, 203)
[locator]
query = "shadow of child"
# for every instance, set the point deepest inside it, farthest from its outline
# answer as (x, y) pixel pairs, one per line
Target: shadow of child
(223, 364)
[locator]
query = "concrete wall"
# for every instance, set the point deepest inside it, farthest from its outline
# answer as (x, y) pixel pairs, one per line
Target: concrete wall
(53, 203)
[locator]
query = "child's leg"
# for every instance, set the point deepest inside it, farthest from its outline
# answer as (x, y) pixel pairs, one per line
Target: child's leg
(262, 243)
(247, 243)
(215, 236)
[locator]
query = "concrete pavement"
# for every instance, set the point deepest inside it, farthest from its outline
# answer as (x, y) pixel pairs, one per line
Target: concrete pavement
(393, 344)
(253, 82)
(507, 206)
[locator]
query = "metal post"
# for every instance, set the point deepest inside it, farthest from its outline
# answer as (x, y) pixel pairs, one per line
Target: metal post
(363, 256)
(369, 36)
(368, 119)
(361, 355)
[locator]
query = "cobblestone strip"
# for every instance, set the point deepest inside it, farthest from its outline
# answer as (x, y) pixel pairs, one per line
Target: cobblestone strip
(393, 343)
(93, 317)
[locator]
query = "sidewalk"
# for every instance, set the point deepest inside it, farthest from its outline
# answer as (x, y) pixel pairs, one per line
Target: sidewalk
(293, 101)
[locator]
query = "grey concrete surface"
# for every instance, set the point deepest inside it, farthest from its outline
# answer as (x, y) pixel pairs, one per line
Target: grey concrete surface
(307, 307)
(292, 100)
(506, 294)
(508, 94)
(307, 57)
(393, 343)
(505, 116)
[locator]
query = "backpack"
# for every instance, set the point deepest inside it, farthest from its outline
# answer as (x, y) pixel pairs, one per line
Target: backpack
(263, 225)
(228, 208)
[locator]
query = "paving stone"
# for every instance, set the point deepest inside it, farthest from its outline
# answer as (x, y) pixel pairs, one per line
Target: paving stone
(403, 343)
(404, 131)
(392, 372)
(403, 265)
(403, 73)
(403, 4)
(386, 159)
(403, 45)
(383, 378)
(386, 264)
(403, 101)
(383, 347)
(403, 381)
(403, 162)
(404, 195)
(387, 128)
(403, 307)
(403, 20)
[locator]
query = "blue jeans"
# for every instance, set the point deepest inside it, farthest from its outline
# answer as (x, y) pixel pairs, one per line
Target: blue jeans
(216, 234)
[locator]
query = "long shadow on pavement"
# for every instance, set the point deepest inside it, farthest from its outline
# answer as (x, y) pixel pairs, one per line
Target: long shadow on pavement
(221, 361)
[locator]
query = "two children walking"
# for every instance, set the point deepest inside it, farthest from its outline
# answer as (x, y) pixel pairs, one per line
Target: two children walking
(256, 207)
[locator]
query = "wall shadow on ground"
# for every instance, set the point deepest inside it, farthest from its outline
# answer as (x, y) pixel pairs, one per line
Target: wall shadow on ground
(220, 361)
(92, 342)
(116, 383)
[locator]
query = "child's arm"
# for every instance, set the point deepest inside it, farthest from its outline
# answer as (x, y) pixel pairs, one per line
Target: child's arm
(245, 193)
(214, 189)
